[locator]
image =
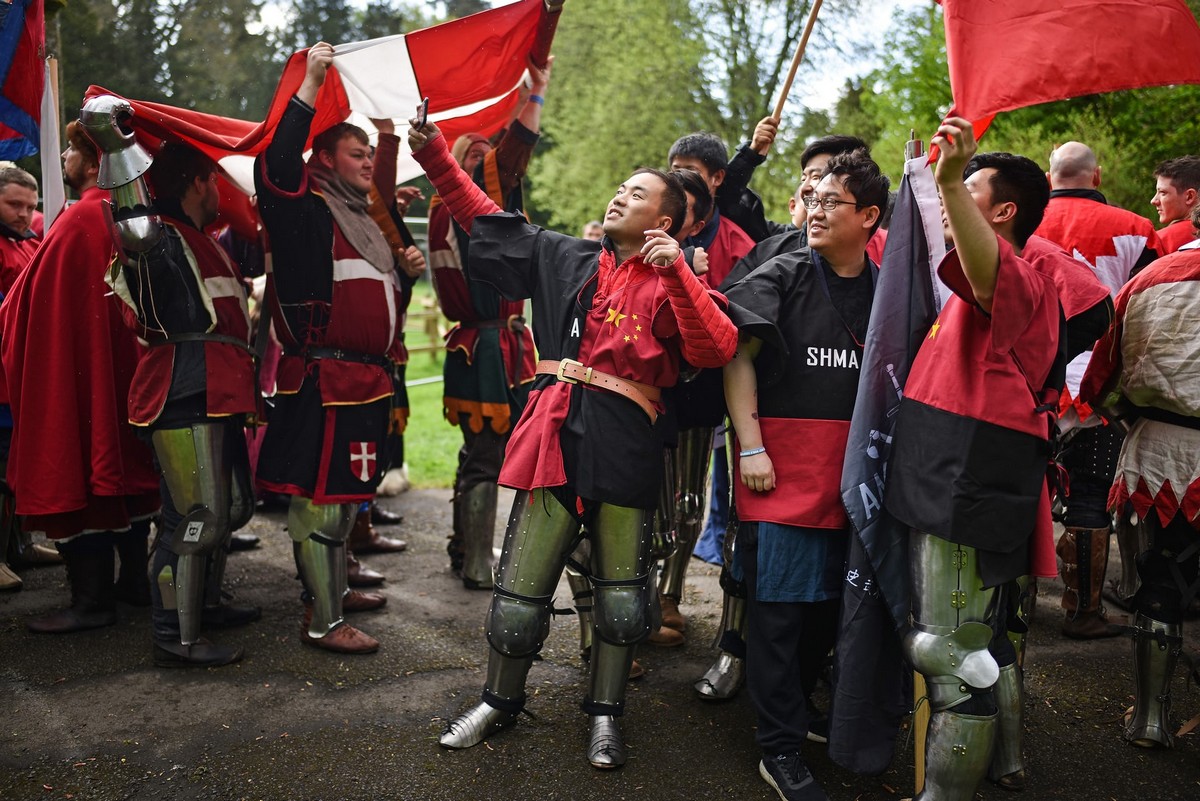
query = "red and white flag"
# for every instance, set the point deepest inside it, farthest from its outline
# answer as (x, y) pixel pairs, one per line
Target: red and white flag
(469, 68)
(1004, 55)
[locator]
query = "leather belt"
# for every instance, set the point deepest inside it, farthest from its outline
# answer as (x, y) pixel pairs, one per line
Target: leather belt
(221, 339)
(339, 355)
(573, 372)
(515, 323)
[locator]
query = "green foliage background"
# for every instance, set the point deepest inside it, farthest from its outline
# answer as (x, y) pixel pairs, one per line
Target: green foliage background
(630, 77)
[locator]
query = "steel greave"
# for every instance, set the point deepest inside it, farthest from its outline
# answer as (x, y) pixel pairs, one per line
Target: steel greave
(477, 516)
(958, 751)
(1156, 649)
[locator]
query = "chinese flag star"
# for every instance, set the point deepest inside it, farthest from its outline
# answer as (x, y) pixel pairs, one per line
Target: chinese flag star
(615, 317)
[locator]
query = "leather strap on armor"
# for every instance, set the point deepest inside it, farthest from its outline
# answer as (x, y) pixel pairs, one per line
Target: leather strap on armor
(574, 372)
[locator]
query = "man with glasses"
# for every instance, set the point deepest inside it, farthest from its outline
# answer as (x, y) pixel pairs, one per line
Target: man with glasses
(791, 390)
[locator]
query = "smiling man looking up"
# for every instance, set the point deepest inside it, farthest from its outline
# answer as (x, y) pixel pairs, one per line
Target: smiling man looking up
(612, 319)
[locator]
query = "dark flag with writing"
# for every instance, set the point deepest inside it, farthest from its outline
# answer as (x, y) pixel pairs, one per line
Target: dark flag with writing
(869, 699)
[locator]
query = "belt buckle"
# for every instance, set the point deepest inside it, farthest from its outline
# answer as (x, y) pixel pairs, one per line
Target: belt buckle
(563, 364)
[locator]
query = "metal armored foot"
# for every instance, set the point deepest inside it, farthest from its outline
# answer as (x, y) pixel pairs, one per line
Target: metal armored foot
(606, 745)
(723, 680)
(475, 725)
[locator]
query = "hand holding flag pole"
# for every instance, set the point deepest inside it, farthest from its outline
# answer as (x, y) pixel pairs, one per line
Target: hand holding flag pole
(791, 76)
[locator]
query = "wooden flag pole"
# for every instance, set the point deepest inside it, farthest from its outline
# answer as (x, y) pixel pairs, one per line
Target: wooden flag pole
(791, 76)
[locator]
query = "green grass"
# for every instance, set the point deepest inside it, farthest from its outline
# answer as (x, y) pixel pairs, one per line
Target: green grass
(430, 443)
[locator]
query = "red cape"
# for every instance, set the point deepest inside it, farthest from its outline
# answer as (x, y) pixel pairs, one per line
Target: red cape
(69, 359)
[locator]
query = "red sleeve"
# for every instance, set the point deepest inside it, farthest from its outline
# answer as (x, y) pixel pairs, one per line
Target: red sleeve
(708, 337)
(465, 200)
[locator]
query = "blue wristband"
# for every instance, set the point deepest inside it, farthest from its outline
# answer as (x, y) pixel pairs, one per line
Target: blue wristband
(541, 101)
(752, 452)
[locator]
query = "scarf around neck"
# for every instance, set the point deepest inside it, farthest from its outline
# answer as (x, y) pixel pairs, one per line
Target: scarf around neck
(349, 209)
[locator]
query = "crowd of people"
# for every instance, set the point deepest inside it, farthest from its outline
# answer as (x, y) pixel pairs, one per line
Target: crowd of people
(685, 355)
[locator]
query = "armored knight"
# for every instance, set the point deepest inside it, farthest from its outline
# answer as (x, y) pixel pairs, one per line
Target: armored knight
(195, 385)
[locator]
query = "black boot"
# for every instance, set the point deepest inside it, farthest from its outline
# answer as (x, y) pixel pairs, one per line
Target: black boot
(89, 560)
(133, 578)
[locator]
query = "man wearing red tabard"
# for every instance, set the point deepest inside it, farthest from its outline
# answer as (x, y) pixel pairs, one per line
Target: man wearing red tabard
(1176, 192)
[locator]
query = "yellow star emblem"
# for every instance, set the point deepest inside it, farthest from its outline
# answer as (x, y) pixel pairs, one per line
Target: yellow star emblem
(639, 328)
(635, 337)
(615, 317)
(627, 337)
(933, 331)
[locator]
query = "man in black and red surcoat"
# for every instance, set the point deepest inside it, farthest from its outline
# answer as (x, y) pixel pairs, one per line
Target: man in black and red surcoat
(194, 387)
(335, 300)
(616, 316)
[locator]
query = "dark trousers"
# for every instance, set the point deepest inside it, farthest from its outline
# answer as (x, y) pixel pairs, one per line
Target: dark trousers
(787, 644)
(480, 457)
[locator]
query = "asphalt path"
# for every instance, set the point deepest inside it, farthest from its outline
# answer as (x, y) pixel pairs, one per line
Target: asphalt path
(87, 716)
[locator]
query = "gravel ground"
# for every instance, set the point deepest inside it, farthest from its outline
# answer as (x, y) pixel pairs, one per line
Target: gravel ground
(87, 716)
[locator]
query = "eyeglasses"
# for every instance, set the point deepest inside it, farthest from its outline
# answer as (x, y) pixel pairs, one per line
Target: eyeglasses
(827, 203)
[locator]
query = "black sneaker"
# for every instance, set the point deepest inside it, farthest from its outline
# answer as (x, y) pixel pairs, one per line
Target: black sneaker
(791, 778)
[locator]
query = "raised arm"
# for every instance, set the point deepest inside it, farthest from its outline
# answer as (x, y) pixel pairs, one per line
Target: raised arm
(974, 239)
(465, 200)
(283, 159)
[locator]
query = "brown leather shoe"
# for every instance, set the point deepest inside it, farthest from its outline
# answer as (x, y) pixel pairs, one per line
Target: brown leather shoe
(672, 618)
(636, 671)
(356, 601)
(39, 555)
(666, 638)
(365, 539)
(1092, 625)
(343, 639)
(359, 575)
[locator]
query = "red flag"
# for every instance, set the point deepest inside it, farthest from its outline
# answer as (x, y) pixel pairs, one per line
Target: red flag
(22, 76)
(1004, 55)
(469, 68)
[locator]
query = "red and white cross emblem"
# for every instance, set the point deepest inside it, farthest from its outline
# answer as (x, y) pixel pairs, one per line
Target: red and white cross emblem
(364, 454)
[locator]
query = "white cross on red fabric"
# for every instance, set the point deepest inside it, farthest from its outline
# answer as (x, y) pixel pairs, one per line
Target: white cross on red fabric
(364, 454)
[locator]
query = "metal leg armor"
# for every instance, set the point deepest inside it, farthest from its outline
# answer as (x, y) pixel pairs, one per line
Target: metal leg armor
(621, 587)
(197, 469)
(581, 595)
(1156, 649)
(949, 646)
(1008, 760)
(477, 517)
(727, 675)
(692, 458)
(319, 533)
(664, 540)
(958, 750)
(1133, 538)
(540, 535)
(1027, 591)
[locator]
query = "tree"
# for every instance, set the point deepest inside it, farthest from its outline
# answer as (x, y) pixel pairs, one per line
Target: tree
(618, 98)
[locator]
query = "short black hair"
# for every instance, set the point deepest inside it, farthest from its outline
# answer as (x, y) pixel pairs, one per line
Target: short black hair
(832, 145)
(674, 201)
(707, 148)
(1019, 180)
(695, 186)
(327, 140)
(862, 178)
(175, 166)
(1183, 172)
